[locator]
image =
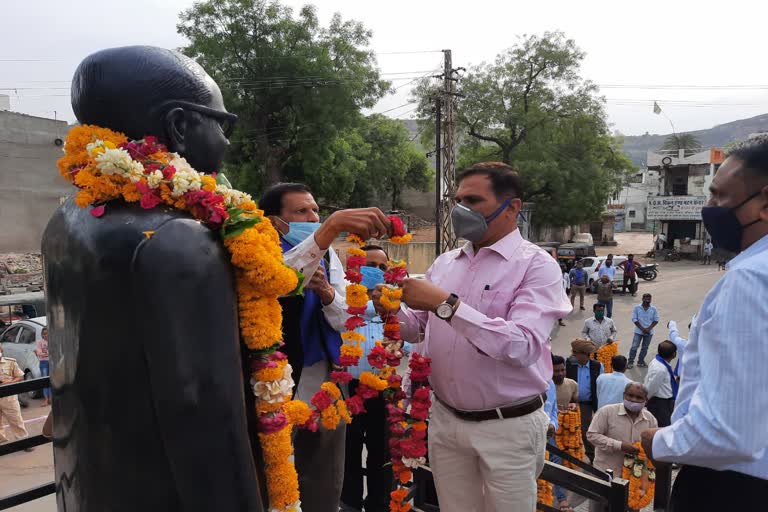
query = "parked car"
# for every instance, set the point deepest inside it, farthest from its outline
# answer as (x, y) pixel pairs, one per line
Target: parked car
(584, 238)
(19, 342)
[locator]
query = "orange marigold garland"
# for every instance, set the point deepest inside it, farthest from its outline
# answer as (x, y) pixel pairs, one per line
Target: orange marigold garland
(568, 435)
(544, 490)
(605, 353)
(105, 166)
(641, 474)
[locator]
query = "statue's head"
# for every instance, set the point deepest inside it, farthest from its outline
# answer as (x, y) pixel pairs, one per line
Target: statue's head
(144, 90)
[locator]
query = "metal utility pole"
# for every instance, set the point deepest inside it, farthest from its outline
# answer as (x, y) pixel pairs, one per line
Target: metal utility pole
(438, 182)
(446, 240)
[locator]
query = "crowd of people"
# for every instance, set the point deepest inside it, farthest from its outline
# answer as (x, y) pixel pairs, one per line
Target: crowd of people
(484, 315)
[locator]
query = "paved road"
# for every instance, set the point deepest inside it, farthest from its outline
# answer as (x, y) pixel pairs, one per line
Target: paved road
(677, 293)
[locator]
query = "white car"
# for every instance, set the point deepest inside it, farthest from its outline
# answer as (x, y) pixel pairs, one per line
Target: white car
(592, 265)
(19, 341)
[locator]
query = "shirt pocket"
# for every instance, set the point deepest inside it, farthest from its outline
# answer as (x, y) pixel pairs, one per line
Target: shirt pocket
(495, 303)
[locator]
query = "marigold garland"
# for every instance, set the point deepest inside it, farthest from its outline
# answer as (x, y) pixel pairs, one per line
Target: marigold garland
(106, 166)
(568, 435)
(604, 355)
(641, 474)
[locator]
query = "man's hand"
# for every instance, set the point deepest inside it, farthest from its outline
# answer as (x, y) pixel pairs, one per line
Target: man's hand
(550, 430)
(646, 440)
(646, 330)
(573, 406)
(366, 222)
(320, 285)
(629, 448)
(421, 295)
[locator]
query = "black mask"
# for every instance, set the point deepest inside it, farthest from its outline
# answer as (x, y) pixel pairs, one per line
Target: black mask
(724, 226)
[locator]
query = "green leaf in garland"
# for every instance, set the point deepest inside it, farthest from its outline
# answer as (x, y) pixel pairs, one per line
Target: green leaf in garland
(222, 180)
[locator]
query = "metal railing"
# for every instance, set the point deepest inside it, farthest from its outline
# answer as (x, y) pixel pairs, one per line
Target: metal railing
(40, 491)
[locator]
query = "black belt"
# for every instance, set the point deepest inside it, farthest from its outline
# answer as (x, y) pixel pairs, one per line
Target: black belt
(500, 413)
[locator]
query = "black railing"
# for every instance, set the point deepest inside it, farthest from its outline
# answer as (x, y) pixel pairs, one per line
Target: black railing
(41, 491)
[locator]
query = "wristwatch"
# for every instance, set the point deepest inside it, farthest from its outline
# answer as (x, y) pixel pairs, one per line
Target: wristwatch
(447, 309)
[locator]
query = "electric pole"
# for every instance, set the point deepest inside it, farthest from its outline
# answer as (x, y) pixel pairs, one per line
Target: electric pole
(438, 181)
(446, 240)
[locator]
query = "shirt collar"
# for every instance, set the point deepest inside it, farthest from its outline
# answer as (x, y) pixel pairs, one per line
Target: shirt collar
(505, 247)
(753, 250)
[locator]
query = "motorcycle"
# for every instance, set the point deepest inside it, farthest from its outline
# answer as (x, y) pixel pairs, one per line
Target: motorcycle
(672, 255)
(648, 272)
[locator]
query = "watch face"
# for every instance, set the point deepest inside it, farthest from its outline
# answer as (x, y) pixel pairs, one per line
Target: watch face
(444, 311)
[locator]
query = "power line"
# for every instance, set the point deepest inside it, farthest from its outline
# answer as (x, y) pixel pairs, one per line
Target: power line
(395, 108)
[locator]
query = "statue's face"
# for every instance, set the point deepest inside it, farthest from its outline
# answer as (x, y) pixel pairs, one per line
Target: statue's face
(206, 132)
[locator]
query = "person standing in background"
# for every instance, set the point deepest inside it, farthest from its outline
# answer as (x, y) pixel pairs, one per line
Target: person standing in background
(610, 386)
(9, 405)
(661, 383)
(707, 259)
(585, 371)
(630, 274)
(41, 351)
(579, 278)
(605, 294)
(600, 330)
(645, 317)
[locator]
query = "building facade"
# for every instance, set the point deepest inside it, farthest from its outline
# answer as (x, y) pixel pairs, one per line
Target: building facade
(683, 190)
(30, 185)
(630, 203)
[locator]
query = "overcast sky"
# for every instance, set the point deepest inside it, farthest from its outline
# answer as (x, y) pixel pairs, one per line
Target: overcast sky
(713, 47)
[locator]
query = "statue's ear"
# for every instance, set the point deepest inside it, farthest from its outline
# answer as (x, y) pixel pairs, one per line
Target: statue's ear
(176, 129)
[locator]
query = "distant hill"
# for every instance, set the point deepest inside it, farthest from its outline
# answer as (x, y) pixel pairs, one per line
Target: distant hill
(636, 147)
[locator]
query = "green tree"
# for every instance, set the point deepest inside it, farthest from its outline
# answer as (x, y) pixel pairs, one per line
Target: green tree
(532, 109)
(297, 87)
(685, 141)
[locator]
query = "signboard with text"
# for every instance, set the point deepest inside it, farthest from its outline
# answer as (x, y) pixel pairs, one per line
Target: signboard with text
(675, 208)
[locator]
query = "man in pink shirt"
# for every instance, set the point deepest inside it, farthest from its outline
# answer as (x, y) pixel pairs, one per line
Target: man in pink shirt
(484, 313)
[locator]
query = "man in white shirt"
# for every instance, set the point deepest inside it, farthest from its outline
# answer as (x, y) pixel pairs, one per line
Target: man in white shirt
(599, 329)
(707, 259)
(718, 430)
(312, 322)
(607, 268)
(610, 386)
(661, 383)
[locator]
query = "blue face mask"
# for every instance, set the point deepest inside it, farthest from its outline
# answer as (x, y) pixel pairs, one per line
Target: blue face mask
(371, 277)
(299, 231)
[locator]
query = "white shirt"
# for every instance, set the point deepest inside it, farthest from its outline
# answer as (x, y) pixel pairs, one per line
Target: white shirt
(679, 341)
(708, 249)
(599, 332)
(657, 380)
(722, 408)
(566, 282)
(607, 271)
(305, 258)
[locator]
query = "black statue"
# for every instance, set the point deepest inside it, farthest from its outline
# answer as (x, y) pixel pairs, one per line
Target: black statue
(149, 405)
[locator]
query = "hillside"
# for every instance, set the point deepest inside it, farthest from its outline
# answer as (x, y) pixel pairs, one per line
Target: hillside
(636, 146)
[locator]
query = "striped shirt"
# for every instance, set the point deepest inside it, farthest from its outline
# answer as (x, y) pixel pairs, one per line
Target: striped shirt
(722, 407)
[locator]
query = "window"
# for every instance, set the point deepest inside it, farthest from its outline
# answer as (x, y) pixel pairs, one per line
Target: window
(9, 336)
(631, 214)
(27, 335)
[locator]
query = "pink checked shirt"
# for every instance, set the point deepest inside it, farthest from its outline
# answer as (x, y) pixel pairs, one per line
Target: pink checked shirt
(495, 351)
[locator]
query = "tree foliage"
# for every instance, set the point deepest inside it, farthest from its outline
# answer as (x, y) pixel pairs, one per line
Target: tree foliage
(297, 87)
(532, 109)
(685, 141)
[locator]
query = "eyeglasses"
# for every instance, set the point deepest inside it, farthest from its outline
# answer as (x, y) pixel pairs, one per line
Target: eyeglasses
(226, 120)
(381, 266)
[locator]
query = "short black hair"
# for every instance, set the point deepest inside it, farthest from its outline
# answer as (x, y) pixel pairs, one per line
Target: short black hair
(557, 360)
(597, 305)
(647, 295)
(505, 181)
(271, 200)
(630, 255)
(619, 363)
(667, 349)
(374, 248)
(753, 152)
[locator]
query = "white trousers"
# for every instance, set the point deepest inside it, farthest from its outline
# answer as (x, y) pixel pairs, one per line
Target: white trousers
(488, 466)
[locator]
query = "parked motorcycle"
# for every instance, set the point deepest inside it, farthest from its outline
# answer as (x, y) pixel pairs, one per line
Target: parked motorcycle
(672, 255)
(648, 272)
